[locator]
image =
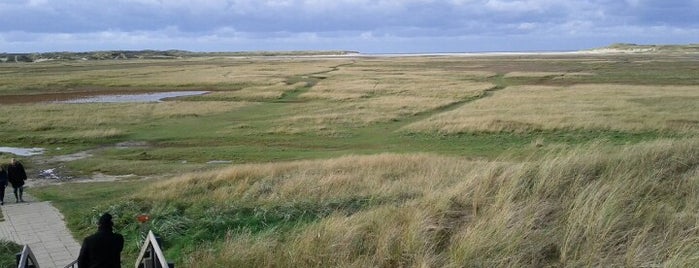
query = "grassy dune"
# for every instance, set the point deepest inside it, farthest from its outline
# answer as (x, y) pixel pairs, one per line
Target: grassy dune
(587, 207)
(516, 161)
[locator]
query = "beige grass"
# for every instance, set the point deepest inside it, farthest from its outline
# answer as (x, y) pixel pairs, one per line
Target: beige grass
(360, 81)
(589, 107)
(257, 93)
(192, 73)
(348, 87)
(589, 207)
(357, 102)
(251, 72)
(88, 119)
(382, 175)
(329, 117)
(99, 133)
(545, 74)
(412, 65)
(358, 95)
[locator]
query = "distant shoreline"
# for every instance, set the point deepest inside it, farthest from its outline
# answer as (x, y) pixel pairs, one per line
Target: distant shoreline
(614, 49)
(437, 54)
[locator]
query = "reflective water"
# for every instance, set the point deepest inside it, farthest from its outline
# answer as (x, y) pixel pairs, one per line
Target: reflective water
(219, 162)
(143, 97)
(22, 151)
(49, 174)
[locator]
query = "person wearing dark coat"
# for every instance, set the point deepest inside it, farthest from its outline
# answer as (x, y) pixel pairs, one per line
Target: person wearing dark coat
(102, 249)
(3, 184)
(16, 176)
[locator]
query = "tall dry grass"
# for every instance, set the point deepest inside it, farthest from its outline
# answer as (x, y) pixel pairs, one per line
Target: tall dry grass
(384, 175)
(585, 106)
(593, 206)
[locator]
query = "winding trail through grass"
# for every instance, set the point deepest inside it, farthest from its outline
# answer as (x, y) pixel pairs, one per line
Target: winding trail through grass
(310, 81)
(386, 136)
(253, 133)
(499, 84)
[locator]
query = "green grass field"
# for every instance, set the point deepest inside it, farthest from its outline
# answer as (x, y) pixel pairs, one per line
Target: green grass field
(493, 161)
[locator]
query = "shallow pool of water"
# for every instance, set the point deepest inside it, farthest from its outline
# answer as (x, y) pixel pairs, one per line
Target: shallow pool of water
(22, 151)
(142, 97)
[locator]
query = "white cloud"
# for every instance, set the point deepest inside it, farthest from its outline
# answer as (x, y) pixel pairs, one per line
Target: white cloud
(517, 6)
(367, 36)
(633, 3)
(511, 6)
(462, 2)
(527, 26)
(35, 3)
(576, 27)
(210, 24)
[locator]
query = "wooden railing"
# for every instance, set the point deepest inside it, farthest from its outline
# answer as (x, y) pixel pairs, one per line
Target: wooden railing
(26, 259)
(151, 255)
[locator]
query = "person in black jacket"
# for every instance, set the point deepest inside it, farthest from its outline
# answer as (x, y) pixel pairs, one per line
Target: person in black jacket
(3, 184)
(102, 249)
(16, 175)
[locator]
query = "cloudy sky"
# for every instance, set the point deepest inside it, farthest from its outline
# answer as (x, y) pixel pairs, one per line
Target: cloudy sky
(370, 26)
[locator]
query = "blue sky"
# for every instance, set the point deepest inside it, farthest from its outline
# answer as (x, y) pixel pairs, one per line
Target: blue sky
(376, 26)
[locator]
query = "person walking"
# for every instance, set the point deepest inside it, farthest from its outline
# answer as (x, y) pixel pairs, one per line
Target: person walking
(3, 184)
(102, 249)
(16, 176)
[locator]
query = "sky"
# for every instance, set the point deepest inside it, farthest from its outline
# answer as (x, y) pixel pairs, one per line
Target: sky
(378, 26)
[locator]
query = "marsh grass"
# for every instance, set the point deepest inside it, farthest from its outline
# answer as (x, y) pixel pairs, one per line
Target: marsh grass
(359, 95)
(256, 93)
(581, 107)
(359, 81)
(544, 74)
(385, 162)
(93, 122)
(197, 73)
(336, 117)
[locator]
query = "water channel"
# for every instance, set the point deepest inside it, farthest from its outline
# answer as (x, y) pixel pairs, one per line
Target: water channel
(115, 98)
(22, 151)
(142, 97)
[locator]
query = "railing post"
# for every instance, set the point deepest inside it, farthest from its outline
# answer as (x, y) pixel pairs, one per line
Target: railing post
(26, 259)
(151, 255)
(73, 264)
